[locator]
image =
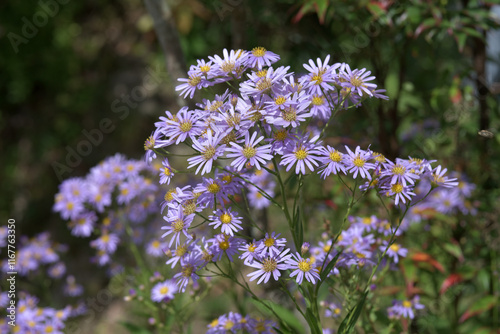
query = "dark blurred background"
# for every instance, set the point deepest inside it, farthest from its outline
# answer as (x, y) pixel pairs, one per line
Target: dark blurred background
(71, 68)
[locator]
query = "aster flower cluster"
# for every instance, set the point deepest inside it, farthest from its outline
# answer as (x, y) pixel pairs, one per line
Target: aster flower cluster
(405, 308)
(37, 254)
(31, 318)
(268, 123)
(236, 323)
(117, 190)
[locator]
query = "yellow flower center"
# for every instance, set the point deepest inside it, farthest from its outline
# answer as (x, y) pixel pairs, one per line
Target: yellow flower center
(189, 207)
(186, 126)
(169, 195)
(166, 171)
(359, 162)
(204, 68)
(215, 105)
(407, 304)
(224, 245)
(397, 188)
(280, 100)
(225, 218)
(187, 271)
(259, 51)
(356, 82)
(304, 266)
(269, 242)
(249, 152)
(262, 73)
(164, 290)
(300, 154)
(367, 220)
(317, 79)
(227, 178)
(317, 100)
(398, 170)
(379, 157)
(227, 66)
(251, 248)
(289, 114)
(193, 81)
(156, 244)
(269, 265)
(280, 135)
(335, 156)
(209, 153)
(70, 205)
(264, 84)
(395, 247)
(213, 188)
(326, 248)
(181, 250)
(214, 323)
(177, 225)
(229, 324)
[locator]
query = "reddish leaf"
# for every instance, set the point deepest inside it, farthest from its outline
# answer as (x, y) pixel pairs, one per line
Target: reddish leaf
(480, 306)
(330, 203)
(426, 258)
(451, 280)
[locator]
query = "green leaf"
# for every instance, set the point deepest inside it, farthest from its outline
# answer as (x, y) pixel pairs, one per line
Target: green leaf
(455, 250)
(349, 322)
(134, 329)
(461, 39)
(324, 273)
(285, 315)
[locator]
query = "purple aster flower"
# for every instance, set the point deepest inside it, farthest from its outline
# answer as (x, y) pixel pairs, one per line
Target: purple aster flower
(224, 243)
(302, 268)
(249, 252)
(182, 251)
(293, 114)
(250, 152)
(227, 219)
(357, 80)
(357, 162)
(178, 224)
(394, 251)
(166, 173)
(231, 63)
(271, 244)
(333, 161)
(190, 264)
(163, 291)
(406, 308)
(320, 76)
(401, 172)
(83, 225)
(190, 85)
(106, 243)
(302, 154)
(439, 180)
(57, 270)
(260, 57)
(209, 150)
(332, 310)
(263, 81)
(401, 192)
(155, 248)
(257, 200)
(72, 288)
(269, 266)
(183, 125)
